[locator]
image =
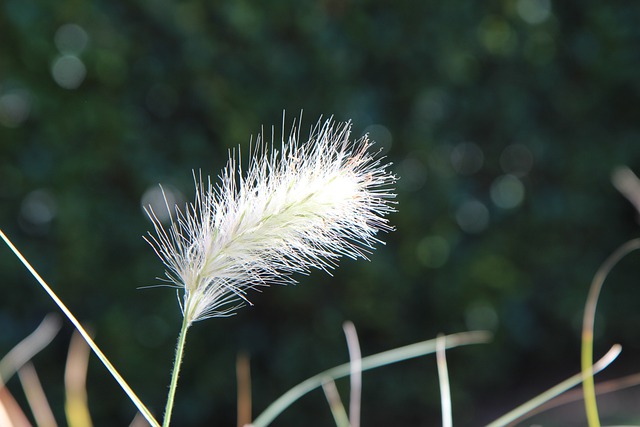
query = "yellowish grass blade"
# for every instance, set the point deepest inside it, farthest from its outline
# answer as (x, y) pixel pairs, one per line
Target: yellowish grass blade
(335, 403)
(588, 322)
(75, 382)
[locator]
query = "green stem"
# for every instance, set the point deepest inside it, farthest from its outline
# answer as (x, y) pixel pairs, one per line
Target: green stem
(176, 370)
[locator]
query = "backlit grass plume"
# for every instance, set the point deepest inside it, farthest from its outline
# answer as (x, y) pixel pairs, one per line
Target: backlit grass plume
(297, 206)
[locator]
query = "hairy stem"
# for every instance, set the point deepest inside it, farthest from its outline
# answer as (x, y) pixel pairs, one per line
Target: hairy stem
(176, 370)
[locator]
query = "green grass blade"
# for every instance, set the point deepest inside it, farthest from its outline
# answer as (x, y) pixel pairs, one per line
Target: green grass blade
(588, 322)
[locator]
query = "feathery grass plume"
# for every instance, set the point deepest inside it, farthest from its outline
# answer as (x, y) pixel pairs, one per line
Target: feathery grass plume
(296, 207)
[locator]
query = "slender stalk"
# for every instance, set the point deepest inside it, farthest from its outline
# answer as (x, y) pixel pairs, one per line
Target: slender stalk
(176, 370)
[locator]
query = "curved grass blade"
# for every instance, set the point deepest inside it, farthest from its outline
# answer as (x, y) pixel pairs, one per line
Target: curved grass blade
(377, 360)
(355, 360)
(588, 322)
(606, 387)
(31, 345)
(523, 410)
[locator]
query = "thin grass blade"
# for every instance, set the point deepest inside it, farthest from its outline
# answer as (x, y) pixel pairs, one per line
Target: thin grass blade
(243, 375)
(335, 403)
(36, 398)
(588, 322)
(355, 376)
(75, 380)
(443, 378)
(105, 361)
(29, 346)
(523, 411)
(377, 360)
(602, 388)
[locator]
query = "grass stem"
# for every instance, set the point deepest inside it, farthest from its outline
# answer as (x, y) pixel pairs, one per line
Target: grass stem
(176, 371)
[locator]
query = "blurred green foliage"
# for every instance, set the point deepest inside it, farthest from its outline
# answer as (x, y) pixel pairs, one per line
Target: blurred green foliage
(503, 118)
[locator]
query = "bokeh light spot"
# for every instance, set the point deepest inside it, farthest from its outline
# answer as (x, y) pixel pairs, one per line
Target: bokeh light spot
(472, 216)
(68, 71)
(71, 39)
(481, 316)
(467, 158)
(534, 11)
(37, 210)
(15, 107)
(159, 199)
(507, 192)
(497, 36)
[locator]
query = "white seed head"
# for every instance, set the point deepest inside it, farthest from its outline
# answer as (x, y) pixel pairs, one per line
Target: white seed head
(298, 207)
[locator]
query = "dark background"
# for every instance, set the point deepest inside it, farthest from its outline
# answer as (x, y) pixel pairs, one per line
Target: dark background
(504, 120)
